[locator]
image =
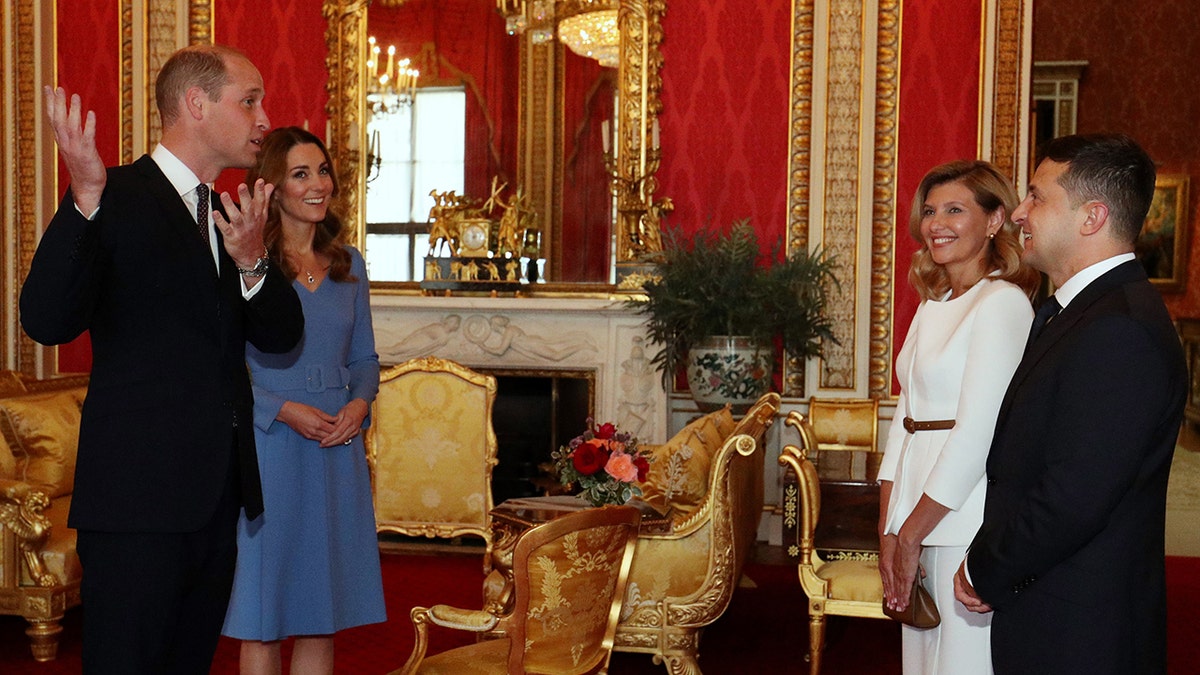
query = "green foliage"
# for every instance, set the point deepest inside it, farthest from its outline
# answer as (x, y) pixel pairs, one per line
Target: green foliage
(720, 283)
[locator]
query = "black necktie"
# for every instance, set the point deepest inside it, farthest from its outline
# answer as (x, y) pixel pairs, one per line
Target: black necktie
(202, 211)
(1046, 312)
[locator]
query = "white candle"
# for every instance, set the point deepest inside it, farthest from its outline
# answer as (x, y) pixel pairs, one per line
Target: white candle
(604, 138)
(391, 67)
(654, 134)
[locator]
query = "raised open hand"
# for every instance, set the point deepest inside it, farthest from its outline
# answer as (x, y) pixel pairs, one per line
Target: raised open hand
(243, 229)
(75, 134)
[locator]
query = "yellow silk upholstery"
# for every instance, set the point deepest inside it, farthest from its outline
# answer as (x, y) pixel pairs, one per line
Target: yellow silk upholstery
(569, 576)
(678, 476)
(42, 430)
(683, 580)
(432, 448)
(846, 432)
(849, 587)
(39, 438)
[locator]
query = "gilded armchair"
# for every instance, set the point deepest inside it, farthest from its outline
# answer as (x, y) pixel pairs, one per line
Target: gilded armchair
(432, 449)
(849, 586)
(39, 568)
(710, 478)
(569, 576)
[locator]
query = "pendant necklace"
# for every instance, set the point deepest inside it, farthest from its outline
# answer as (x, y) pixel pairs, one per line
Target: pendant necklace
(311, 280)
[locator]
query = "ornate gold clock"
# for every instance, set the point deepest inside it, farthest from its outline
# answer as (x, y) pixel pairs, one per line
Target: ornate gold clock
(473, 237)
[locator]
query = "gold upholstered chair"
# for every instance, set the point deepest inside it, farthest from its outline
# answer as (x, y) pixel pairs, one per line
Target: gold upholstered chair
(432, 449)
(846, 431)
(849, 586)
(569, 576)
(39, 568)
(709, 480)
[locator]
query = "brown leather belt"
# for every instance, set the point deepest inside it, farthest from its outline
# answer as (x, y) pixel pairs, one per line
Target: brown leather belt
(913, 426)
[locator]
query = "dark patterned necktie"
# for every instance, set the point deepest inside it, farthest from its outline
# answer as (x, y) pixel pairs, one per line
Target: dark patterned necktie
(1046, 312)
(202, 211)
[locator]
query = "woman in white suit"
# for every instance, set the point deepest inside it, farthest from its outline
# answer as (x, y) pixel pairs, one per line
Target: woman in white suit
(961, 350)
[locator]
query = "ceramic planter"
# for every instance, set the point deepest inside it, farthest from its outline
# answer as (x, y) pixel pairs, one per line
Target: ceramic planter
(728, 369)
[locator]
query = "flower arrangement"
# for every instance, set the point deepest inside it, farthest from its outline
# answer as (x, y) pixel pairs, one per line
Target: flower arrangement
(604, 462)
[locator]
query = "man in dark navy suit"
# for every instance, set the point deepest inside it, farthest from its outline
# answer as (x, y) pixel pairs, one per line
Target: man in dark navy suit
(1070, 553)
(170, 291)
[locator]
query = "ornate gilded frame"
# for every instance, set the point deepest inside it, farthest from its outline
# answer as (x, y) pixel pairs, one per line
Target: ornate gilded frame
(639, 85)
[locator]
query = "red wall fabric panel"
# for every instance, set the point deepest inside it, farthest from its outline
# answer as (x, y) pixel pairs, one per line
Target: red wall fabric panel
(724, 126)
(285, 39)
(939, 116)
(88, 62)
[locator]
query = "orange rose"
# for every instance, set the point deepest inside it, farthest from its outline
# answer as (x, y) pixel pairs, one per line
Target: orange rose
(620, 466)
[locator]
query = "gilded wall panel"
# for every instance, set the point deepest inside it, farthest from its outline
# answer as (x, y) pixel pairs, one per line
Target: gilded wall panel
(842, 181)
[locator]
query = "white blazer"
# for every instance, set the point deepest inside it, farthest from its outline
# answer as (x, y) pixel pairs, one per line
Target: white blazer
(955, 364)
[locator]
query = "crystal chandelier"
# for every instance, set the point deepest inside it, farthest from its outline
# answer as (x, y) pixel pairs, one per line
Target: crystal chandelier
(588, 27)
(389, 86)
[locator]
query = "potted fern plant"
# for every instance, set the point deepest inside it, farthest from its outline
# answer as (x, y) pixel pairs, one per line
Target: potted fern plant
(719, 305)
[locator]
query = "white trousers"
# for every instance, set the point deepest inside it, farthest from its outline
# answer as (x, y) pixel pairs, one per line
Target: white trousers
(961, 644)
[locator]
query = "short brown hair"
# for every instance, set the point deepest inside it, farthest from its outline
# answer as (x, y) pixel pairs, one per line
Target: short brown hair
(200, 65)
(992, 191)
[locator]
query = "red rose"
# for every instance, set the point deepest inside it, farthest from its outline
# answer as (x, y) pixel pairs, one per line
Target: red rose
(589, 458)
(606, 431)
(643, 467)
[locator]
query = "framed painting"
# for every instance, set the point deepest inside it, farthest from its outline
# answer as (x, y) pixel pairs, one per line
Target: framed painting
(1162, 246)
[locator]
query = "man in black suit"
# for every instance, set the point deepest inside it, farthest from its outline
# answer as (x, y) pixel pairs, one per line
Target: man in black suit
(170, 291)
(1070, 553)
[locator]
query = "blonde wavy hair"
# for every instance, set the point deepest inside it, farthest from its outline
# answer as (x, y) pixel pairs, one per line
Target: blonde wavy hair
(992, 191)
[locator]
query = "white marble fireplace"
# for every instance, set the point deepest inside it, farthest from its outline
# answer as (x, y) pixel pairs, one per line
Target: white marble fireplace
(535, 334)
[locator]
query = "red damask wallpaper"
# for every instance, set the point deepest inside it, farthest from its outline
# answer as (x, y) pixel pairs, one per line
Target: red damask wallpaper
(725, 113)
(88, 65)
(1143, 68)
(939, 113)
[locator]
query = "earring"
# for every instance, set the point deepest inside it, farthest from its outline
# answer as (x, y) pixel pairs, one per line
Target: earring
(992, 235)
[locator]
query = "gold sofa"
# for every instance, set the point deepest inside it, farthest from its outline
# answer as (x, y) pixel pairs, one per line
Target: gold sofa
(709, 479)
(39, 569)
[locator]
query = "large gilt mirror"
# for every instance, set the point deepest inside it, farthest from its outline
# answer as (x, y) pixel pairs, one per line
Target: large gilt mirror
(574, 137)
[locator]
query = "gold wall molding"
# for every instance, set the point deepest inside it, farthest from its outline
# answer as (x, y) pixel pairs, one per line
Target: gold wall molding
(799, 157)
(1011, 60)
(345, 43)
(883, 213)
(29, 192)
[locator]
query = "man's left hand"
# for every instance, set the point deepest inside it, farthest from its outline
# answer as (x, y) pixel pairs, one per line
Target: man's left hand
(243, 230)
(965, 593)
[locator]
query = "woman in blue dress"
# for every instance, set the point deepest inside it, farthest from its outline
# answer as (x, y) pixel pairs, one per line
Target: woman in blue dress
(309, 566)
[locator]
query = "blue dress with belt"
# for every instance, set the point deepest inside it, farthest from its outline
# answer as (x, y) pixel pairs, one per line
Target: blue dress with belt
(310, 564)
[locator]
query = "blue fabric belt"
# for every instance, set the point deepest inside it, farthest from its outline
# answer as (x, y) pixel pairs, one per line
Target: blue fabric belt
(313, 379)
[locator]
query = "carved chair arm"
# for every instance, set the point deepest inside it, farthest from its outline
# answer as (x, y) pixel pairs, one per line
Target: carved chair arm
(22, 512)
(474, 620)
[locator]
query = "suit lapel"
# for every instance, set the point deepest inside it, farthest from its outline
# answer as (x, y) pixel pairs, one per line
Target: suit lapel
(179, 219)
(1062, 324)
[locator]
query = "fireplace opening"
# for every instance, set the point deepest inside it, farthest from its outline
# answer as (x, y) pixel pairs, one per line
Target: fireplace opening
(535, 413)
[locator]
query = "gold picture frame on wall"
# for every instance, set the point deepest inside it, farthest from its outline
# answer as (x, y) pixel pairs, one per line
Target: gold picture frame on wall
(1163, 243)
